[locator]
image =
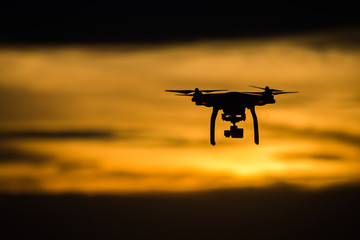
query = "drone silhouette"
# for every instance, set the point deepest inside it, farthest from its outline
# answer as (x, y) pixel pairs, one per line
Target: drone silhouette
(233, 105)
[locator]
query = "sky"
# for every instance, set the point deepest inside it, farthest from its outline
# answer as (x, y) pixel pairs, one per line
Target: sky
(86, 112)
(94, 119)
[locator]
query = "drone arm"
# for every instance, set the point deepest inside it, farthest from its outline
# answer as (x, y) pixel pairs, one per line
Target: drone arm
(256, 127)
(212, 125)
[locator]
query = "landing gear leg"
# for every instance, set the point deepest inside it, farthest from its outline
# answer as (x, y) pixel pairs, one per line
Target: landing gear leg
(212, 125)
(256, 127)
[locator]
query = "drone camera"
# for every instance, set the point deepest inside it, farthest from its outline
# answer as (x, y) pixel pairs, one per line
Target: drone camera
(234, 132)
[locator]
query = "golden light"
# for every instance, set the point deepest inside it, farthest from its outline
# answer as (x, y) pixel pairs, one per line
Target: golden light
(159, 142)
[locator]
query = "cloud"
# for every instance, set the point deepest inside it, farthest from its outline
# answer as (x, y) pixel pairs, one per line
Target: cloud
(14, 155)
(255, 213)
(19, 184)
(174, 142)
(346, 39)
(75, 165)
(171, 180)
(314, 156)
(65, 134)
(164, 175)
(22, 103)
(344, 137)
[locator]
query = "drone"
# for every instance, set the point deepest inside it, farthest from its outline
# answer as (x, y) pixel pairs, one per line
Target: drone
(233, 105)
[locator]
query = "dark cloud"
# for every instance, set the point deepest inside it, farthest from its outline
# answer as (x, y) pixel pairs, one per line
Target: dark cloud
(59, 135)
(344, 137)
(178, 142)
(75, 165)
(104, 23)
(127, 174)
(345, 39)
(356, 99)
(277, 212)
(19, 184)
(312, 156)
(208, 180)
(21, 103)
(15, 155)
(170, 175)
(335, 180)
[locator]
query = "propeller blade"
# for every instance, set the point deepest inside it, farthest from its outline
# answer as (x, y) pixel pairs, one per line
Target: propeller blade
(277, 93)
(270, 89)
(191, 91)
(218, 90)
(180, 91)
(187, 95)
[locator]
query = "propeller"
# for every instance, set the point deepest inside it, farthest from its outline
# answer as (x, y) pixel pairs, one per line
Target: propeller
(277, 93)
(266, 88)
(180, 91)
(218, 90)
(269, 90)
(188, 92)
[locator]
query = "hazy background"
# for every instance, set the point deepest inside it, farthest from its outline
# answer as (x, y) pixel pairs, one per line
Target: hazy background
(96, 118)
(83, 111)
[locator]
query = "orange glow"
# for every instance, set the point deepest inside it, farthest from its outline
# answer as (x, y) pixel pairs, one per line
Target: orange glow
(158, 141)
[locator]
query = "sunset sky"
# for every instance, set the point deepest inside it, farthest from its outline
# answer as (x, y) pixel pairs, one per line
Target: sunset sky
(96, 118)
(91, 145)
(83, 107)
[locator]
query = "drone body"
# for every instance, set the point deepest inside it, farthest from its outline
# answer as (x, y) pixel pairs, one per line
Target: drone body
(233, 105)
